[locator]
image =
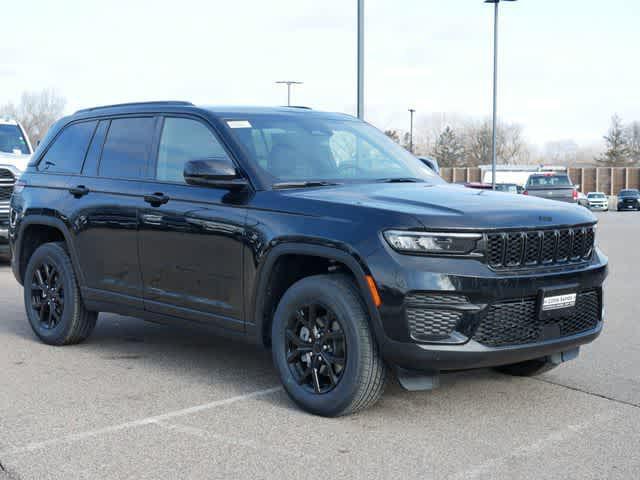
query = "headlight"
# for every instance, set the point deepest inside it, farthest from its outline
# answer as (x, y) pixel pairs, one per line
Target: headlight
(432, 242)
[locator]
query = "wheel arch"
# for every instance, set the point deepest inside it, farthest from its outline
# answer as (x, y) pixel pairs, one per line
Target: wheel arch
(264, 304)
(36, 230)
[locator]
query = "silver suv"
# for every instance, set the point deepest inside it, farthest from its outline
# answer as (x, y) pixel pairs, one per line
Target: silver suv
(15, 152)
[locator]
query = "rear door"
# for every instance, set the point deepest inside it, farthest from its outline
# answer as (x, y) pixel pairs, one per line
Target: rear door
(107, 201)
(191, 239)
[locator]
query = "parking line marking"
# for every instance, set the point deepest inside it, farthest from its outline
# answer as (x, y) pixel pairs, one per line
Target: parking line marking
(488, 468)
(74, 437)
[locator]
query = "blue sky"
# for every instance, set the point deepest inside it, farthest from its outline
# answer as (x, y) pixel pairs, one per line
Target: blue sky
(566, 65)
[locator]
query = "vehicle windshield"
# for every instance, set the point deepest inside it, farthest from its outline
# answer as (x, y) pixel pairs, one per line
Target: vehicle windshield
(596, 195)
(312, 148)
(12, 140)
(549, 180)
(629, 193)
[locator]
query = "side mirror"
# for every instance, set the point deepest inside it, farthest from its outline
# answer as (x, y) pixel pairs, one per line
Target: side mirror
(214, 173)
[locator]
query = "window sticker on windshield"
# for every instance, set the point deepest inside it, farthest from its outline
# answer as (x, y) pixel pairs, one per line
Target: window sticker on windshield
(238, 124)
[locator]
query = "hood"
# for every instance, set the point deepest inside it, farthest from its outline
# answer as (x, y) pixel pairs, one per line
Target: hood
(18, 163)
(449, 206)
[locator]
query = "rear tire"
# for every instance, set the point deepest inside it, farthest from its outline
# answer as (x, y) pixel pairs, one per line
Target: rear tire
(52, 298)
(530, 368)
(357, 380)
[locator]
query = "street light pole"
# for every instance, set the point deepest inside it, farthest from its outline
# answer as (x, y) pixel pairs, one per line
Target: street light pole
(495, 90)
(411, 112)
(288, 83)
(360, 107)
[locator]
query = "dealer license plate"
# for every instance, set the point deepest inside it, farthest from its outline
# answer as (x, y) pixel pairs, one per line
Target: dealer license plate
(557, 302)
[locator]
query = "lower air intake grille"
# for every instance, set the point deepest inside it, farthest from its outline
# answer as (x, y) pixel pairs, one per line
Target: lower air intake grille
(427, 324)
(517, 322)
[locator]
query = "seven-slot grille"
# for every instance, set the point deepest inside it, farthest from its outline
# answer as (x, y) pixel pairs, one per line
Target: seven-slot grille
(517, 322)
(7, 181)
(539, 247)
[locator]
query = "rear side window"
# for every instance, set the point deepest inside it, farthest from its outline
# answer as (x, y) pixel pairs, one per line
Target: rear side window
(128, 148)
(68, 150)
(183, 140)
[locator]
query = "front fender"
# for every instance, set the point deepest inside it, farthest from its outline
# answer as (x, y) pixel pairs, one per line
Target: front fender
(344, 255)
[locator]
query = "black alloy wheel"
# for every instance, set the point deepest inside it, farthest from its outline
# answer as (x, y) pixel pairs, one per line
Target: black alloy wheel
(316, 348)
(47, 295)
(52, 300)
(323, 348)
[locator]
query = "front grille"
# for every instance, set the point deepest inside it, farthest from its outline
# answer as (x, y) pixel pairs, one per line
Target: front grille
(517, 322)
(7, 181)
(515, 250)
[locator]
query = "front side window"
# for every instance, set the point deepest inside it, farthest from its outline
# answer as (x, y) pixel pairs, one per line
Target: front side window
(68, 150)
(299, 147)
(184, 140)
(128, 148)
(12, 140)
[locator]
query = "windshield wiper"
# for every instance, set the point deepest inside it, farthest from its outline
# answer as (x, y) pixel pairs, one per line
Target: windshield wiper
(311, 183)
(400, 180)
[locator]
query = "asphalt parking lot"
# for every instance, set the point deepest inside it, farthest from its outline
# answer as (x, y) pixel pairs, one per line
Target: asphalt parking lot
(144, 401)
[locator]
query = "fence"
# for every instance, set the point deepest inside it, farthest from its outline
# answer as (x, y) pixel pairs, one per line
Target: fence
(591, 179)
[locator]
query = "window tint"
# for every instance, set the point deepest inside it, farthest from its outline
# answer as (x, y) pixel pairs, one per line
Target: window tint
(90, 167)
(184, 140)
(128, 148)
(295, 147)
(67, 152)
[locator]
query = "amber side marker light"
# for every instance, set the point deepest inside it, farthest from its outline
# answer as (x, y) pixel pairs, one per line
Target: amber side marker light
(373, 290)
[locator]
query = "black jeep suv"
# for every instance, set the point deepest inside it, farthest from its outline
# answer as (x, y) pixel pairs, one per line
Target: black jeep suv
(309, 233)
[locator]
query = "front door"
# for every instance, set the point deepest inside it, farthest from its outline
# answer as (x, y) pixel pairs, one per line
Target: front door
(191, 237)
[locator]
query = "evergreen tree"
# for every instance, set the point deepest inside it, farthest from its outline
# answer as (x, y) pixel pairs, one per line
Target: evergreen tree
(449, 150)
(618, 153)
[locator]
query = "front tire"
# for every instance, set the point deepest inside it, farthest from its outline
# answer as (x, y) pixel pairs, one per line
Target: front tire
(52, 298)
(323, 349)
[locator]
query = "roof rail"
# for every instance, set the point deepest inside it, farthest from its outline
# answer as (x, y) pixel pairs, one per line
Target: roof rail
(133, 104)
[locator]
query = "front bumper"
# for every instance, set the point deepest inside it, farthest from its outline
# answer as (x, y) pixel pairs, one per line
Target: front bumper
(599, 207)
(483, 290)
(475, 355)
(628, 206)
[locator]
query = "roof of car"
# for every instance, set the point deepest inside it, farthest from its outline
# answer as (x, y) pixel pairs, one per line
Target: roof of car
(217, 110)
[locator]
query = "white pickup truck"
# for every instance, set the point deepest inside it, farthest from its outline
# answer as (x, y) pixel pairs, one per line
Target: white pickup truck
(15, 152)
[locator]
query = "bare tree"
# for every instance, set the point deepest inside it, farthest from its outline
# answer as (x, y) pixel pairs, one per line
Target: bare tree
(511, 149)
(37, 111)
(561, 152)
(633, 136)
(477, 144)
(617, 153)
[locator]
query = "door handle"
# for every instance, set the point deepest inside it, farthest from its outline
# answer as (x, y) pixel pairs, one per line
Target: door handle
(156, 199)
(79, 191)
